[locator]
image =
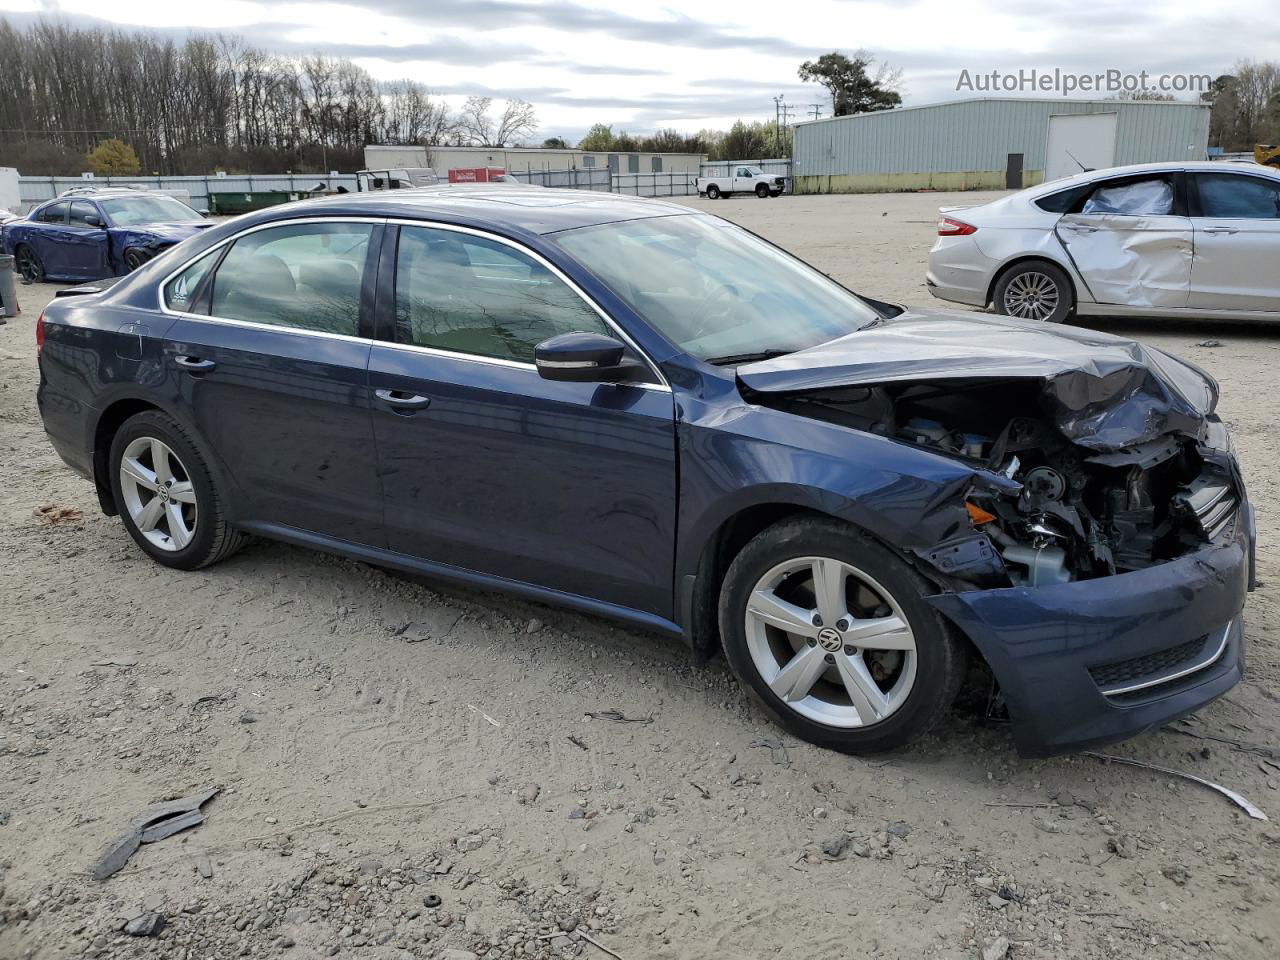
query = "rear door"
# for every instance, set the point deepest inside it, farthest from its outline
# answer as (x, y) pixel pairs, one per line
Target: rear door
(1131, 241)
(86, 243)
(47, 238)
(488, 467)
(270, 354)
(1237, 228)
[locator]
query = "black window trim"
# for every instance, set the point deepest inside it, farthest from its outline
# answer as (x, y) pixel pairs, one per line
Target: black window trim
(1196, 210)
(66, 213)
(385, 310)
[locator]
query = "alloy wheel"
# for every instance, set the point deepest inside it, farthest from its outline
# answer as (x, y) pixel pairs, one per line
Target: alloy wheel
(1031, 296)
(158, 493)
(831, 642)
(29, 265)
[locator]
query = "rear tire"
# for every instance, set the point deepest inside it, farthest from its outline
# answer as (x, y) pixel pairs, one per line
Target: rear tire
(28, 264)
(1035, 290)
(167, 496)
(885, 673)
(713, 192)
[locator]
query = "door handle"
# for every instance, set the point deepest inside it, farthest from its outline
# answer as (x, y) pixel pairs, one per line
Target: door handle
(1217, 230)
(403, 400)
(195, 364)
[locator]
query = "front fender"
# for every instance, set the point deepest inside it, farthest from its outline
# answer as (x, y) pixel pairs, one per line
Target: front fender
(910, 499)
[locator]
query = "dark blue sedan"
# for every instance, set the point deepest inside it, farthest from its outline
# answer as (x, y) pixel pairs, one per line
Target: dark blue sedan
(97, 234)
(640, 411)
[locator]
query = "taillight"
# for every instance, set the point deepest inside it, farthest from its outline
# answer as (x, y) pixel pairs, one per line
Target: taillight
(954, 228)
(39, 333)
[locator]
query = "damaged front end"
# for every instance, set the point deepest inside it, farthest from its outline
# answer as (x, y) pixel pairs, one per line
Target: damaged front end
(1100, 459)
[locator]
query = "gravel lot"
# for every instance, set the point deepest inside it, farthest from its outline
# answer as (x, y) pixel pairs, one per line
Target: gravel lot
(381, 744)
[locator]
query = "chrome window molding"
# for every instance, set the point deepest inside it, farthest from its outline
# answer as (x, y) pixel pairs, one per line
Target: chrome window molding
(662, 383)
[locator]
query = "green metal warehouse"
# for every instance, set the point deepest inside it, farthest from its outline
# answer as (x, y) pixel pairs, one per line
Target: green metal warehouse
(991, 143)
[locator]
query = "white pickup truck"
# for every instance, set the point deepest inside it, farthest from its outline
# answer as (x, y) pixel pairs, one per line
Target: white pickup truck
(742, 179)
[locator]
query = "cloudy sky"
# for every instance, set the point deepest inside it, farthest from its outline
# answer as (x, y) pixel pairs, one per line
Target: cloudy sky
(705, 63)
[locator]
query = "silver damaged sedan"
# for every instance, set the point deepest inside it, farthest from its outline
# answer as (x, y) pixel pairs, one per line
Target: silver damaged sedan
(1155, 240)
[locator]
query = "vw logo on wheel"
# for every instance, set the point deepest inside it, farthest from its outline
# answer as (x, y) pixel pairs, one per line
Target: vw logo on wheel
(829, 640)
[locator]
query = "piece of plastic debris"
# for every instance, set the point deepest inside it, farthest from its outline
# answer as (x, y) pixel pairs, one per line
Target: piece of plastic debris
(1231, 795)
(52, 513)
(154, 823)
(617, 716)
(1209, 343)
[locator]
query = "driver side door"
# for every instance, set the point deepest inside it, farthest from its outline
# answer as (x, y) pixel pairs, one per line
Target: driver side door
(742, 180)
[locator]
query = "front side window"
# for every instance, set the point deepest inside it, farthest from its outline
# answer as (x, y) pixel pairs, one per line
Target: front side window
(1234, 197)
(470, 294)
(136, 211)
(81, 211)
(53, 213)
(304, 275)
(715, 290)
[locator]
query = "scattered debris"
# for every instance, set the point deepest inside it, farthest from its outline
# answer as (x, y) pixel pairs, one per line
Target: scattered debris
(114, 663)
(577, 743)
(776, 749)
(204, 867)
(1123, 846)
(1177, 873)
(596, 943)
(706, 794)
(529, 793)
(52, 513)
(431, 901)
(1231, 795)
(1261, 749)
(1030, 805)
(146, 925)
(835, 848)
(474, 709)
(154, 823)
(998, 950)
(899, 830)
(1209, 343)
(617, 716)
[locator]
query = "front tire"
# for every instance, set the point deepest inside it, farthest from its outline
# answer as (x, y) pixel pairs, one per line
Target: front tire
(829, 632)
(713, 192)
(1035, 290)
(762, 191)
(134, 258)
(166, 494)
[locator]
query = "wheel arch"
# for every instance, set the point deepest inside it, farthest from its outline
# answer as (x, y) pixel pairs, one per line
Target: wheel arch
(1018, 261)
(113, 417)
(699, 589)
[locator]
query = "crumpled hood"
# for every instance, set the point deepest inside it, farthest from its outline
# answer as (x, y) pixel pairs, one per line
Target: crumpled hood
(170, 231)
(1104, 392)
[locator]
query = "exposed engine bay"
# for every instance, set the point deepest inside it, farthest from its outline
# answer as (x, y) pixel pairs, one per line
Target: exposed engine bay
(1072, 511)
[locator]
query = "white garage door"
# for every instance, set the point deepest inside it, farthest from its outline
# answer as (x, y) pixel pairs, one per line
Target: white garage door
(1080, 140)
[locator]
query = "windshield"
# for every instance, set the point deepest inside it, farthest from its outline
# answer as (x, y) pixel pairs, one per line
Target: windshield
(134, 211)
(753, 171)
(715, 290)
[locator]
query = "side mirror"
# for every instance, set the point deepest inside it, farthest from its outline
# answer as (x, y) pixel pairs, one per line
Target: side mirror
(583, 358)
(93, 220)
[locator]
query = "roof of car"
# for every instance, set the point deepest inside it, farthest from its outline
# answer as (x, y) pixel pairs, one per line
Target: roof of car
(1214, 166)
(535, 209)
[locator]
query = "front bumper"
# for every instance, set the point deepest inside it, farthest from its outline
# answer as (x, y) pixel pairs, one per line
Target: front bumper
(1094, 661)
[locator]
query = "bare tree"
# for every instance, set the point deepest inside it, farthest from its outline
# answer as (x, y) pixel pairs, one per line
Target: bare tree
(519, 122)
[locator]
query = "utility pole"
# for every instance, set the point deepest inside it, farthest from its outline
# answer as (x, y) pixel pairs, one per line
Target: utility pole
(816, 110)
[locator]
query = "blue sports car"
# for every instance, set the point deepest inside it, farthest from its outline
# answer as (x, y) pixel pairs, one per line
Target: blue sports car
(90, 236)
(637, 410)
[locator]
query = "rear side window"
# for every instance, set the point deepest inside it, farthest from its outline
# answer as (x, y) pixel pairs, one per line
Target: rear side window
(53, 213)
(307, 276)
(181, 292)
(1141, 198)
(1062, 201)
(469, 294)
(1235, 197)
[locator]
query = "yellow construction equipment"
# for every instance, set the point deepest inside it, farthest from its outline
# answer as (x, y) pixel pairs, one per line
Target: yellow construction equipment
(1267, 154)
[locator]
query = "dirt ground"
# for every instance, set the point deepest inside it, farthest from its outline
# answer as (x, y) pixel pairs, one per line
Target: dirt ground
(411, 770)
